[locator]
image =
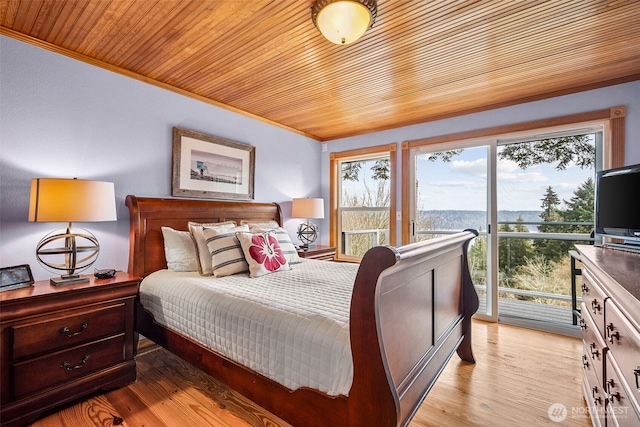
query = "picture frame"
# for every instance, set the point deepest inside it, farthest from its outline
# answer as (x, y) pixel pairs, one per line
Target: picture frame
(207, 166)
(17, 276)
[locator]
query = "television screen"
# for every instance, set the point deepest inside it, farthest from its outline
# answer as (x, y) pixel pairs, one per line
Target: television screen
(617, 207)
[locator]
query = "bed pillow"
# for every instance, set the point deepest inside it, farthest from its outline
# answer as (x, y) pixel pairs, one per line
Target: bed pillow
(270, 224)
(204, 256)
(284, 240)
(179, 250)
(226, 254)
(262, 252)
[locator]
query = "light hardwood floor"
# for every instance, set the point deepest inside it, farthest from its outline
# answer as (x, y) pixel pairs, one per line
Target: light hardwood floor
(519, 374)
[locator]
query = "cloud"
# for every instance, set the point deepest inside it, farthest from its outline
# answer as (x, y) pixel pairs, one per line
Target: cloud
(456, 184)
(521, 177)
(475, 168)
(508, 171)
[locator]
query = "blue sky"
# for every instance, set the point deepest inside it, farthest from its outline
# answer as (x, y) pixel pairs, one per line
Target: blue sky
(461, 183)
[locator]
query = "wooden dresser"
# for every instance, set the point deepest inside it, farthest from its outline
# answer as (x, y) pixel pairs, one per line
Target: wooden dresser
(610, 321)
(60, 343)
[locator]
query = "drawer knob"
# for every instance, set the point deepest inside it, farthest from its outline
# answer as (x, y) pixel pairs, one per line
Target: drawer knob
(583, 325)
(65, 330)
(595, 306)
(585, 288)
(636, 372)
(68, 367)
(612, 334)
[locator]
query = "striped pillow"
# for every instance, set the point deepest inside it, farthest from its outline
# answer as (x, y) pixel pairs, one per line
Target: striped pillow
(204, 257)
(227, 257)
(284, 240)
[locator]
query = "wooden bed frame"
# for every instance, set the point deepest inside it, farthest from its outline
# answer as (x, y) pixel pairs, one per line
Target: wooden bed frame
(411, 309)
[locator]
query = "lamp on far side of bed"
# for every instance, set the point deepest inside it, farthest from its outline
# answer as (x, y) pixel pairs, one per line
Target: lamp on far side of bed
(307, 208)
(70, 200)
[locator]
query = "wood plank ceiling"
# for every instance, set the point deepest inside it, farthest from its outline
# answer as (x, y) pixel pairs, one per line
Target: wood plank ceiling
(421, 61)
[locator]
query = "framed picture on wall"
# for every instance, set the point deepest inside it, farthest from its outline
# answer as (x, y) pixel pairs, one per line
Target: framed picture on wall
(211, 167)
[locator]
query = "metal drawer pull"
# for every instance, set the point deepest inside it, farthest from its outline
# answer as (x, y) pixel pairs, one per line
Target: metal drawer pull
(612, 396)
(613, 335)
(583, 325)
(68, 367)
(595, 306)
(636, 372)
(585, 361)
(585, 288)
(594, 351)
(65, 330)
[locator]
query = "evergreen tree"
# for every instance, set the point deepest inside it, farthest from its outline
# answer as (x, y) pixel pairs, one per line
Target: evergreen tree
(581, 207)
(550, 249)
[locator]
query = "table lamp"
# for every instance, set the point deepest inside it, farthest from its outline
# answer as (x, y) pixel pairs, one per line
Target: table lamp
(307, 208)
(70, 200)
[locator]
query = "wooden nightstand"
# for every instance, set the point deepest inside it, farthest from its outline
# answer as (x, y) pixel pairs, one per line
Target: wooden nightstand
(318, 252)
(60, 343)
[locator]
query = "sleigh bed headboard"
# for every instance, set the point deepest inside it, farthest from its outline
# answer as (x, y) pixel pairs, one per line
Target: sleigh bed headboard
(148, 215)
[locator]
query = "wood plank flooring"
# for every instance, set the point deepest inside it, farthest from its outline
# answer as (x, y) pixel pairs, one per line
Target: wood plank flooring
(519, 374)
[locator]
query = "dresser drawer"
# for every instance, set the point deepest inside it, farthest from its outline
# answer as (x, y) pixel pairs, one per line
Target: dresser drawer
(620, 409)
(594, 346)
(624, 341)
(593, 298)
(49, 333)
(57, 368)
(595, 397)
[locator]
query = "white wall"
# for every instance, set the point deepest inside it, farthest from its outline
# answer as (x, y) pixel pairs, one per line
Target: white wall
(63, 118)
(620, 95)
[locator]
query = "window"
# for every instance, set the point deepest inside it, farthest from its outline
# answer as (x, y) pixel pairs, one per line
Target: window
(362, 200)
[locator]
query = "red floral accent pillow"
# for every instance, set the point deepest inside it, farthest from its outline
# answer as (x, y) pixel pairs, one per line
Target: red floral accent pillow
(262, 252)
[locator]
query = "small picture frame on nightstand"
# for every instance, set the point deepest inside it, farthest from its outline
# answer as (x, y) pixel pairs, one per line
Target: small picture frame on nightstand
(15, 277)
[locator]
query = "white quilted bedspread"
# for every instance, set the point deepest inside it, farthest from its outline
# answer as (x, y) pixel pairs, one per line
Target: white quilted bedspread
(290, 326)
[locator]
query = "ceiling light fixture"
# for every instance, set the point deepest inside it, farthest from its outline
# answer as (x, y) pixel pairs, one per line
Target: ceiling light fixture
(344, 21)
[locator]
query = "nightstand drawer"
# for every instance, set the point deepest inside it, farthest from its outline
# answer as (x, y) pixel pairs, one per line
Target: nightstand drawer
(52, 369)
(47, 333)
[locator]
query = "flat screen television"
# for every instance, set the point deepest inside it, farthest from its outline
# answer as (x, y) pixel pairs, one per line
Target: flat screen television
(617, 204)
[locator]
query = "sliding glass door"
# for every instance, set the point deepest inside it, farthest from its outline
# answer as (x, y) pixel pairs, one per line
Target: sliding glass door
(452, 193)
(530, 197)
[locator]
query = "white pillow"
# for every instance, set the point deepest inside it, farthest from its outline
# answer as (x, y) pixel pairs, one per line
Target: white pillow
(284, 240)
(204, 257)
(262, 252)
(224, 248)
(179, 250)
